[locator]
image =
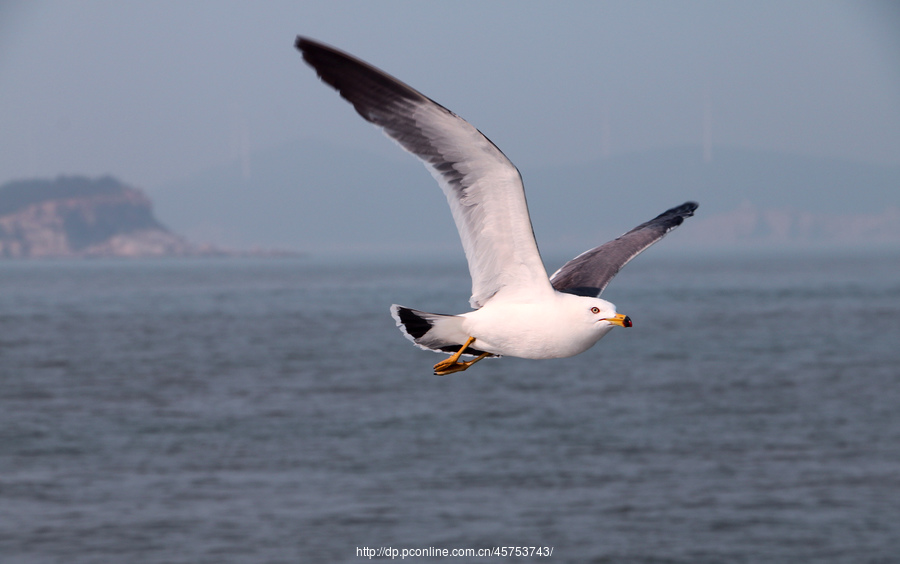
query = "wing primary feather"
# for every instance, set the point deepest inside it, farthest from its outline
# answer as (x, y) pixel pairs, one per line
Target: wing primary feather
(589, 273)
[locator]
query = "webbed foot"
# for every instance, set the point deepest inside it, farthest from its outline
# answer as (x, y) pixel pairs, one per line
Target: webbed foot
(452, 364)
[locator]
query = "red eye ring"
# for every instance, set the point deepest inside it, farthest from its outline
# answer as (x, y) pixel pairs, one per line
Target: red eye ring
(595, 309)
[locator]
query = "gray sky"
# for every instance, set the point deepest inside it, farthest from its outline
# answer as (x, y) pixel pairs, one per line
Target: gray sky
(156, 91)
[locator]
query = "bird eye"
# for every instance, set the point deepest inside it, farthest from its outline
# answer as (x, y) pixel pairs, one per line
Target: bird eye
(595, 309)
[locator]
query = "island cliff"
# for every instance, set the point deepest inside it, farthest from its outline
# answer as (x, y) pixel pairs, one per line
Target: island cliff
(75, 216)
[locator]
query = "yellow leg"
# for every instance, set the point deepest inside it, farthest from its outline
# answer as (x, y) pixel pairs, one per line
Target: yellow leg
(452, 364)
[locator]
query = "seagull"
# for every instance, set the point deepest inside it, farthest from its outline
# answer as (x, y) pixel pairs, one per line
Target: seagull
(517, 309)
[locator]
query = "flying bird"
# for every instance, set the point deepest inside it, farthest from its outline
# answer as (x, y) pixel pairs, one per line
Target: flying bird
(517, 310)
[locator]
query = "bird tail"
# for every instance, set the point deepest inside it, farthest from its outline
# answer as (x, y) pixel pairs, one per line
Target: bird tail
(432, 331)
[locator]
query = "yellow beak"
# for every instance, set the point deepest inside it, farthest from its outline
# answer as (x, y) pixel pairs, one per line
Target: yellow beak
(620, 319)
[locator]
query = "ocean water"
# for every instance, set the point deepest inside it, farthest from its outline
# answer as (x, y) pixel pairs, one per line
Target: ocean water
(236, 411)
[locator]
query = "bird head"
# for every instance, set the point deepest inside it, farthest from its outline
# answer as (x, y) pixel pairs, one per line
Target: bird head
(604, 312)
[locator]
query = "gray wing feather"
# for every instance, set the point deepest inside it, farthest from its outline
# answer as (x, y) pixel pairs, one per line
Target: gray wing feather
(483, 188)
(379, 98)
(590, 272)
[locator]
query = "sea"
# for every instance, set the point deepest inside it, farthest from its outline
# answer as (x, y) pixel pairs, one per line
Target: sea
(253, 410)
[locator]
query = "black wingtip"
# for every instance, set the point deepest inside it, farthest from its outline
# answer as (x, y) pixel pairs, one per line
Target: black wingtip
(305, 45)
(687, 209)
(678, 213)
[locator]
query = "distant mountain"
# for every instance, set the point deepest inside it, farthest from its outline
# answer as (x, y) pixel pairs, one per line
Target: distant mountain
(753, 198)
(318, 197)
(75, 216)
(752, 226)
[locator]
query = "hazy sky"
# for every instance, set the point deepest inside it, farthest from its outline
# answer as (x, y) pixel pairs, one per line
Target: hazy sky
(155, 91)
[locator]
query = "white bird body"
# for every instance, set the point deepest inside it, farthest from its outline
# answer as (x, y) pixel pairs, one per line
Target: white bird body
(563, 325)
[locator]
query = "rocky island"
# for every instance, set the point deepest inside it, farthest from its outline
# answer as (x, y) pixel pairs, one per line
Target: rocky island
(76, 216)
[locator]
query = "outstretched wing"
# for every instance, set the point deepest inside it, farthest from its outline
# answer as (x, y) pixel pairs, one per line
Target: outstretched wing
(590, 272)
(483, 187)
